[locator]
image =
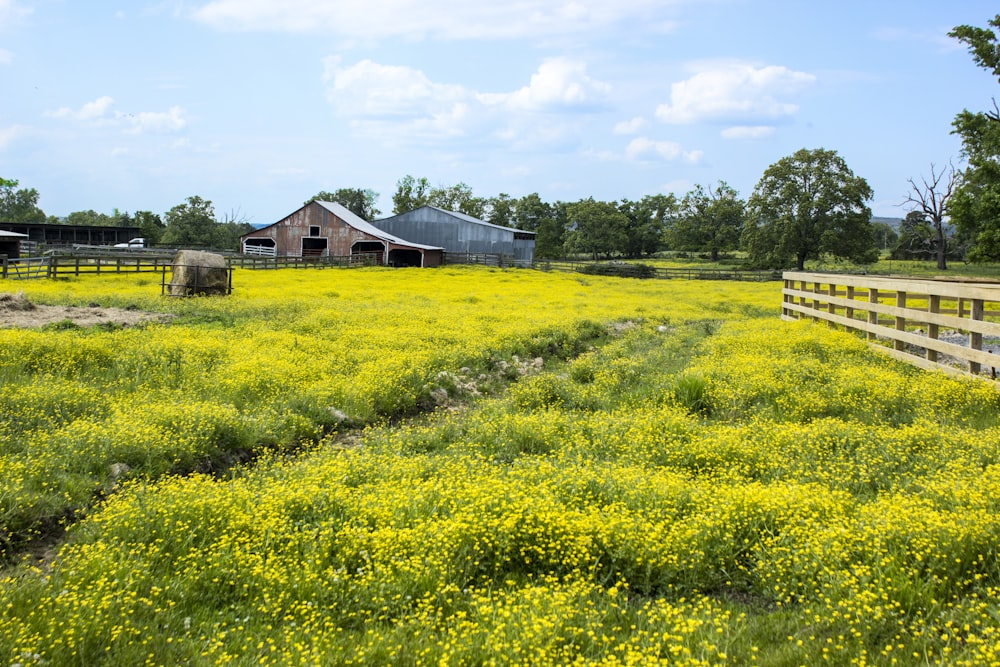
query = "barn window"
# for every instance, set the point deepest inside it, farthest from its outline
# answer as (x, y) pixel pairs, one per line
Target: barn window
(313, 230)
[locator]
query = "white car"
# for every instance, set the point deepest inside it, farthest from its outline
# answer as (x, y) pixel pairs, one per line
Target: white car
(133, 243)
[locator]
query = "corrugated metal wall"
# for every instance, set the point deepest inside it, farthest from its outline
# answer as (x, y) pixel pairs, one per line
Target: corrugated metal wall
(431, 226)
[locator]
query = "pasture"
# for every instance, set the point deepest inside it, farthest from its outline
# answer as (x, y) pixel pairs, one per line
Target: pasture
(475, 466)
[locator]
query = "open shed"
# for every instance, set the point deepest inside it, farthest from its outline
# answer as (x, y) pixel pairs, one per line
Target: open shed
(329, 229)
(461, 233)
(10, 244)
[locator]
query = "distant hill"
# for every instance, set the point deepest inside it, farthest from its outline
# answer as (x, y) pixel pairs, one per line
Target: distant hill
(892, 222)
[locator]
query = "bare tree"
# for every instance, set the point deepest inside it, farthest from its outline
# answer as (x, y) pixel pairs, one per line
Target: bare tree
(930, 196)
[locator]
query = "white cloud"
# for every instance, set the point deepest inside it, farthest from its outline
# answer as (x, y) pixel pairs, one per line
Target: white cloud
(11, 13)
(448, 19)
(734, 91)
(748, 132)
(630, 126)
(158, 122)
(399, 104)
(10, 133)
(559, 83)
(99, 113)
(642, 148)
(90, 111)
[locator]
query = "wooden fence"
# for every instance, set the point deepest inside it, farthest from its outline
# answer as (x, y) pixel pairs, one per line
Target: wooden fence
(932, 323)
(629, 270)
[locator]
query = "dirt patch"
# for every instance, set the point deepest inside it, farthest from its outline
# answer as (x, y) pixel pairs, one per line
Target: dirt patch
(18, 312)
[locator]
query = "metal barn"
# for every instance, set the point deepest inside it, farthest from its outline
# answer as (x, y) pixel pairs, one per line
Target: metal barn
(329, 229)
(459, 233)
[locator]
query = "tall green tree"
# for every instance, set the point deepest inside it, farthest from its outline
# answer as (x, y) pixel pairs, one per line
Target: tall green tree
(500, 210)
(458, 198)
(151, 225)
(597, 228)
(975, 206)
(530, 211)
(192, 223)
(359, 201)
(710, 220)
(19, 204)
(647, 221)
(411, 193)
(806, 205)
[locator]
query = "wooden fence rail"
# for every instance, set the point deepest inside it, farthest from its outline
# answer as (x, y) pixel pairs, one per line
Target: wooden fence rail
(931, 323)
(628, 270)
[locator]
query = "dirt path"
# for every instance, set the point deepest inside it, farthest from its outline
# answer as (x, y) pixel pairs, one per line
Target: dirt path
(17, 311)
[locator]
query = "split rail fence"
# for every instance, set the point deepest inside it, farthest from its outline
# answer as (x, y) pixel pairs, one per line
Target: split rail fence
(932, 323)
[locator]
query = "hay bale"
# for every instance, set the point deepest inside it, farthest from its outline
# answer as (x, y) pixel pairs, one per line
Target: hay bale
(197, 272)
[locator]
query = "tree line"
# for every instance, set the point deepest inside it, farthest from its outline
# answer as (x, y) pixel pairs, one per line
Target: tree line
(805, 206)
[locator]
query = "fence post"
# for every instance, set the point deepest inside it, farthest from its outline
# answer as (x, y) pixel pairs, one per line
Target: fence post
(933, 306)
(975, 337)
(849, 312)
(900, 321)
(872, 315)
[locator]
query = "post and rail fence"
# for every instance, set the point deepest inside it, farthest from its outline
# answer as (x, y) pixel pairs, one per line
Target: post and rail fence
(937, 324)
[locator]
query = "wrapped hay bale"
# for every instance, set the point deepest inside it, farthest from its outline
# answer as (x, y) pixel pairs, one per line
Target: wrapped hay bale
(196, 272)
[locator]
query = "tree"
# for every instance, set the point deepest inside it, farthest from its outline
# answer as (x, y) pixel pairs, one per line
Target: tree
(710, 220)
(916, 237)
(411, 193)
(458, 198)
(596, 228)
(647, 221)
(19, 205)
(975, 205)
(361, 202)
(530, 211)
(191, 224)
(501, 210)
(806, 205)
(151, 225)
(931, 198)
(91, 218)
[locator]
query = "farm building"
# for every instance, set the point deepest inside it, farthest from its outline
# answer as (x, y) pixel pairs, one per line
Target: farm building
(55, 235)
(10, 244)
(329, 229)
(460, 234)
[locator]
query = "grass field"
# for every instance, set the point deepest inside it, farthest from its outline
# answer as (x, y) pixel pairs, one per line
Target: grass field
(472, 466)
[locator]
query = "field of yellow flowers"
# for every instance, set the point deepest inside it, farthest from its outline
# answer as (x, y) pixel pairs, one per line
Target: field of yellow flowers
(594, 471)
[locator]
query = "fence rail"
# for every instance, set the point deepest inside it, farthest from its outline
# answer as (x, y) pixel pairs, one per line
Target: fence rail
(24, 268)
(628, 270)
(931, 323)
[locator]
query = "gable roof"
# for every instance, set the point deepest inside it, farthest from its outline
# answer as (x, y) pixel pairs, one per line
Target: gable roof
(355, 221)
(362, 225)
(465, 218)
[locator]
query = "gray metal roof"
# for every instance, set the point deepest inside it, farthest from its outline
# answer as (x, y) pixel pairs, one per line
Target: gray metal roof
(465, 218)
(359, 223)
(12, 235)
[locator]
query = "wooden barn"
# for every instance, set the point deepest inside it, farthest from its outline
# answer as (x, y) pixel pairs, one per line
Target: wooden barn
(329, 229)
(459, 233)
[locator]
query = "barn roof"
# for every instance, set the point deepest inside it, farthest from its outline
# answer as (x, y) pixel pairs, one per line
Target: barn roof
(12, 235)
(465, 218)
(359, 223)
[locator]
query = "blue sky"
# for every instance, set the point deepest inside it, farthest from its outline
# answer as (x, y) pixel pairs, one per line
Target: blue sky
(259, 104)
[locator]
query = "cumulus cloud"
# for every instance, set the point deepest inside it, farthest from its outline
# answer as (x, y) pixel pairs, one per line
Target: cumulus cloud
(748, 132)
(402, 104)
(99, 113)
(11, 13)
(630, 126)
(643, 148)
(559, 83)
(10, 133)
(447, 19)
(734, 91)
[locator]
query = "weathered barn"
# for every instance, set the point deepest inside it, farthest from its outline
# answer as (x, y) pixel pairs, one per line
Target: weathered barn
(329, 229)
(55, 235)
(460, 233)
(10, 244)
